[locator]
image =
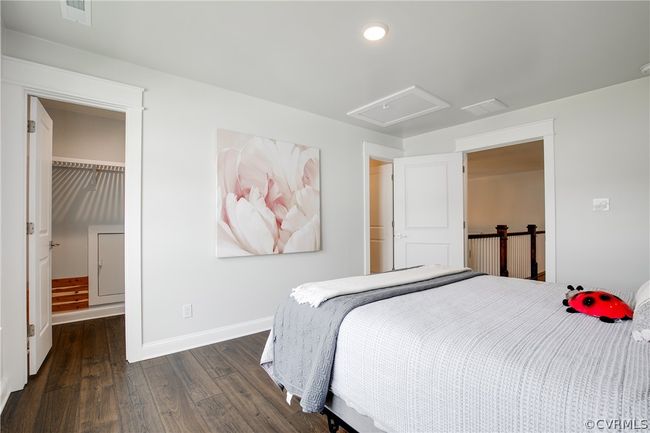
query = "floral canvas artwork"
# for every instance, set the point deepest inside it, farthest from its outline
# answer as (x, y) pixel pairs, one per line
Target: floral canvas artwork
(268, 196)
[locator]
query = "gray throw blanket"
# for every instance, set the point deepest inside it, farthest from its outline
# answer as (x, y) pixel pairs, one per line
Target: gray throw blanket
(304, 338)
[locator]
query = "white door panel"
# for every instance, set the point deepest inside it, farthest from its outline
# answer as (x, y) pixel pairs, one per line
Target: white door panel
(105, 264)
(425, 201)
(111, 264)
(429, 210)
(426, 253)
(40, 212)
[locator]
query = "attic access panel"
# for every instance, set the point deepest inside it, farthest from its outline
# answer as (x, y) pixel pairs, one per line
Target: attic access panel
(404, 105)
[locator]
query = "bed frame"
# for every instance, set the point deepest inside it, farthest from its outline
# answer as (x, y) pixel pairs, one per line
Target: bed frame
(334, 422)
(339, 414)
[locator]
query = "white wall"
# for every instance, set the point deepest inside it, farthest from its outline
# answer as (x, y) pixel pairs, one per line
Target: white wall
(602, 147)
(85, 136)
(514, 199)
(79, 199)
(179, 209)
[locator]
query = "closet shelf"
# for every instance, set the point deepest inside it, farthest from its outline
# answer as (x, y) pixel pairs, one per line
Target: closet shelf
(87, 164)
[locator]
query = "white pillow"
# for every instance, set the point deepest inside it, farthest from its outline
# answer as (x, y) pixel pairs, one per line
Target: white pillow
(641, 321)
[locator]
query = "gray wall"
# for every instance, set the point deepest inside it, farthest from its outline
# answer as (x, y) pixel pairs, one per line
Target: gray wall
(87, 136)
(513, 199)
(81, 198)
(602, 147)
(179, 194)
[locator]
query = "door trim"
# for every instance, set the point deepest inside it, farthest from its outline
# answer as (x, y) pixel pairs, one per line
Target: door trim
(382, 153)
(39, 245)
(20, 79)
(451, 229)
(518, 134)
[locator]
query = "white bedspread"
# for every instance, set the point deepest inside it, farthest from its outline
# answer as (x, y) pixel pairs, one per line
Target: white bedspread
(316, 293)
(489, 354)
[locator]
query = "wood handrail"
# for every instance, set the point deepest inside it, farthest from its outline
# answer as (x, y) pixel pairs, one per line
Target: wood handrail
(496, 235)
(482, 235)
(502, 234)
(524, 233)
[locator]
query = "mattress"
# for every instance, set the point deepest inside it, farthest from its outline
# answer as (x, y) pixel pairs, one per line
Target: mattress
(489, 354)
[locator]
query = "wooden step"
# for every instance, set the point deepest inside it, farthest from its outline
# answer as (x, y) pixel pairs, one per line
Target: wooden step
(66, 298)
(67, 282)
(69, 294)
(70, 289)
(70, 306)
(66, 288)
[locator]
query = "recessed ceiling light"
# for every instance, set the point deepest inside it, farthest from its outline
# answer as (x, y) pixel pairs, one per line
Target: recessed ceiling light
(375, 31)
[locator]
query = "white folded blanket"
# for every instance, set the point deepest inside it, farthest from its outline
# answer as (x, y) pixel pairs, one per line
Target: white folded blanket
(316, 293)
(641, 320)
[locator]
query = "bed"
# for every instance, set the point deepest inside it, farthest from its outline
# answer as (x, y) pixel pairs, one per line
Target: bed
(475, 354)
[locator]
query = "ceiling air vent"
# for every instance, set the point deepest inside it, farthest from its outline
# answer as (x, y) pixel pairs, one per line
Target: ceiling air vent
(76, 10)
(398, 107)
(485, 107)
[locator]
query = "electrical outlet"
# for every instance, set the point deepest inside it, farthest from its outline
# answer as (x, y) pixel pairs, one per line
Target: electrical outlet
(600, 204)
(187, 311)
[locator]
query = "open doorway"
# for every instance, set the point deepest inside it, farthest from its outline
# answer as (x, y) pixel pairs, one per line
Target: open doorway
(23, 80)
(506, 210)
(381, 215)
(76, 212)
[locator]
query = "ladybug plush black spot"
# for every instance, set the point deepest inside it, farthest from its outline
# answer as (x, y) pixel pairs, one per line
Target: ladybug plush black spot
(605, 306)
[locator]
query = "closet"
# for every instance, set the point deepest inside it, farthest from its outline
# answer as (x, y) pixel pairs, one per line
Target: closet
(87, 247)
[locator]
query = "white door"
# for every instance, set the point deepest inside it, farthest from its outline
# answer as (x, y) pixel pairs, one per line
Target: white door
(429, 210)
(381, 218)
(40, 215)
(110, 271)
(105, 264)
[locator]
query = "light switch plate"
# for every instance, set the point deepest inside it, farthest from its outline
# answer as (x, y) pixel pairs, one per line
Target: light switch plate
(601, 204)
(187, 311)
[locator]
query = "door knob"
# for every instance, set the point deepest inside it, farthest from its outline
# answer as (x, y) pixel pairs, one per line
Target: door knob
(400, 235)
(52, 244)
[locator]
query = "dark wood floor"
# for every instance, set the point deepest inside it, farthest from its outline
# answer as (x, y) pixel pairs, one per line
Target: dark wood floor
(86, 385)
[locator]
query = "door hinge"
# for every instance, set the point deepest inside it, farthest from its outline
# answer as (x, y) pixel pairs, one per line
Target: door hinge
(30, 228)
(392, 223)
(392, 177)
(463, 169)
(464, 224)
(30, 330)
(31, 126)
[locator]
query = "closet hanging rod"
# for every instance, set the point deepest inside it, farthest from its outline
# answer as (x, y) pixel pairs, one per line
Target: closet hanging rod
(86, 164)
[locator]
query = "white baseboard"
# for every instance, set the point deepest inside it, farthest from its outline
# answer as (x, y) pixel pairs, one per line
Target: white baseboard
(4, 391)
(4, 394)
(203, 338)
(87, 314)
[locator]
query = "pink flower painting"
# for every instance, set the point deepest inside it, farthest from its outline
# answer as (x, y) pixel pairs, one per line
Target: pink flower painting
(268, 196)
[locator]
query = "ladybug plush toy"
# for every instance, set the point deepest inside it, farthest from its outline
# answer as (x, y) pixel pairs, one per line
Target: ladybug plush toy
(605, 306)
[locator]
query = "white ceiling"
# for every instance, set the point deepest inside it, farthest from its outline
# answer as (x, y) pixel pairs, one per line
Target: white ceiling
(506, 160)
(311, 55)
